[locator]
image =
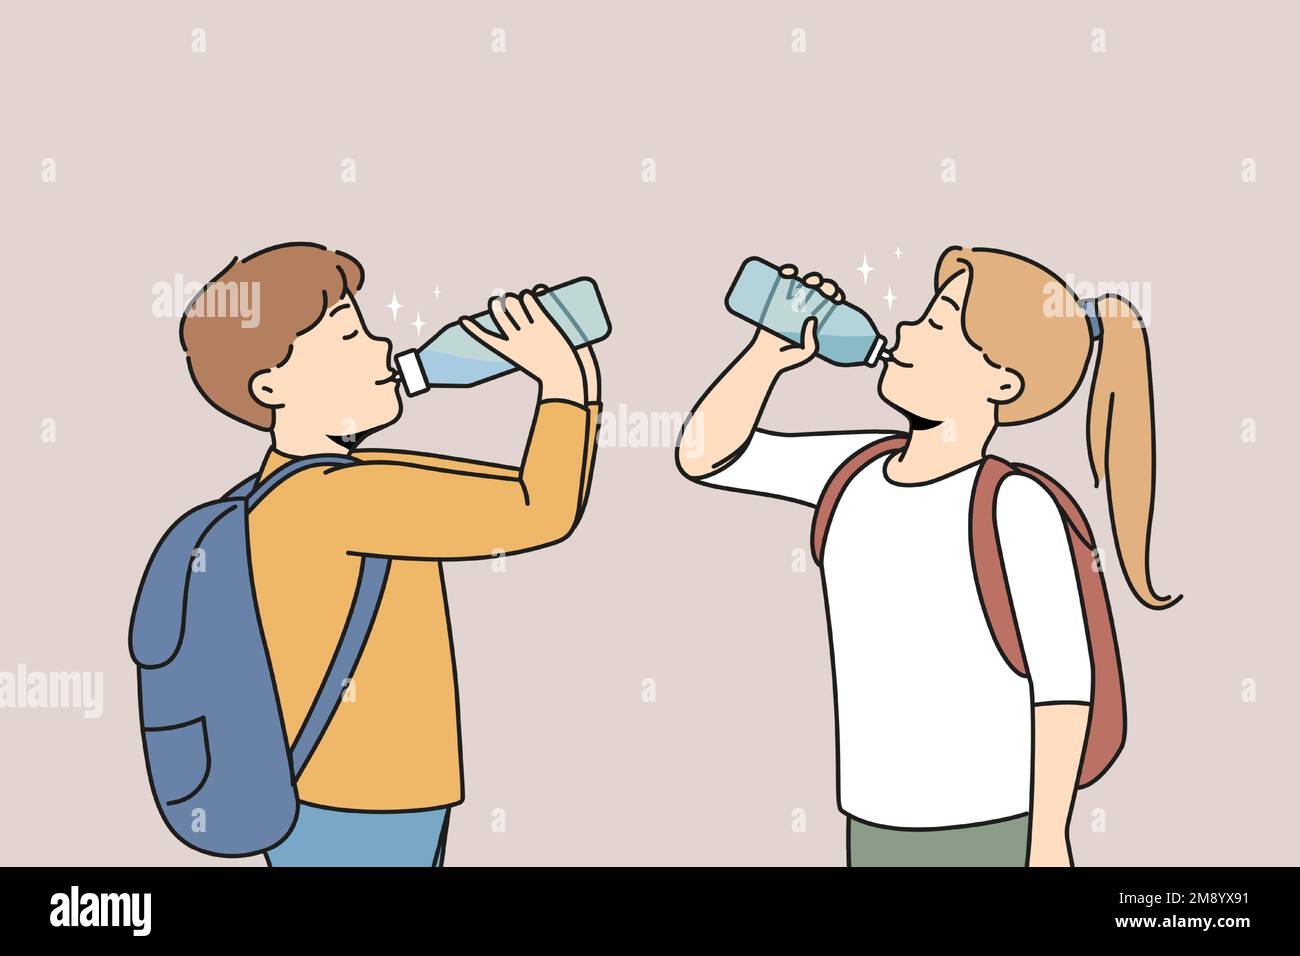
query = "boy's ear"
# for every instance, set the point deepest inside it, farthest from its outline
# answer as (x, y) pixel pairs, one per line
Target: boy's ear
(1007, 385)
(262, 385)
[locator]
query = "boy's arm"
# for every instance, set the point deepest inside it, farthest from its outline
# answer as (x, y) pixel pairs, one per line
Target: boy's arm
(591, 386)
(1059, 731)
(591, 381)
(470, 466)
(464, 466)
(487, 469)
(412, 509)
(593, 428)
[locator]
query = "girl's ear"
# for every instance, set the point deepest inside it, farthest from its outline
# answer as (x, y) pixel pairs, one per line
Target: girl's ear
(1007, 386)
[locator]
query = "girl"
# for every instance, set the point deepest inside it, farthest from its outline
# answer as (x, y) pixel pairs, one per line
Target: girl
(947, 755)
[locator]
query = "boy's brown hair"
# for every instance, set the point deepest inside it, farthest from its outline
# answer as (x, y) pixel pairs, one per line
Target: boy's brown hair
(245, 319)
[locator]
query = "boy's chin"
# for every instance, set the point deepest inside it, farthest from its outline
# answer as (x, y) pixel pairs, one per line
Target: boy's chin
(372, 424)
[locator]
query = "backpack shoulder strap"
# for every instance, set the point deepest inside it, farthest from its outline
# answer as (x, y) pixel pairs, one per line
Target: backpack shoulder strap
(986, 550)
(1069, 507)
(1107, 721)
(356, 630)
(361, 618)
(255, 490)
(986, 561)
(243, 489)
(839, 480)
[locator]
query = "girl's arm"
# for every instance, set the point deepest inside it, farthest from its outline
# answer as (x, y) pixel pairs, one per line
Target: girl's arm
(1044, 586)
(1058, 747)
(723, 420)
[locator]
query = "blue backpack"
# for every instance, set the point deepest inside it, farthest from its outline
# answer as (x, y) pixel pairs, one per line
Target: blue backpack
(223, 771)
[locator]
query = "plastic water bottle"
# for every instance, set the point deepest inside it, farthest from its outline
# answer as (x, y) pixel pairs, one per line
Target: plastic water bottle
(782, 304)
(454, 358)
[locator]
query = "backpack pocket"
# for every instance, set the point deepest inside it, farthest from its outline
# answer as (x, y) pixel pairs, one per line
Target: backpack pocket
(179, 759)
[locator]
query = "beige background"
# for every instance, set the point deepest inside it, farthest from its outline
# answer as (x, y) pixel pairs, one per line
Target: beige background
(478, 170)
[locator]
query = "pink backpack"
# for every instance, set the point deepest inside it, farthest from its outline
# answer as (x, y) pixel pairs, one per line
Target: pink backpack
(1106, 720)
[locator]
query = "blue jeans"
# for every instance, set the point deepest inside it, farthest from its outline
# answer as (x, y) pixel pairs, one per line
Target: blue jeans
(324, 836)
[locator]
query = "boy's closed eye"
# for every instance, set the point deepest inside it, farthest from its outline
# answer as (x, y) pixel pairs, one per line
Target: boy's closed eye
(352, 335)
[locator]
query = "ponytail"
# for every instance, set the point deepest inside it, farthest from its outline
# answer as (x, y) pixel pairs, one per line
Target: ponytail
(1121, 440)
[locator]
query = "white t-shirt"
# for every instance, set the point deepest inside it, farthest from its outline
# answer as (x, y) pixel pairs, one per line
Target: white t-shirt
(934, 728)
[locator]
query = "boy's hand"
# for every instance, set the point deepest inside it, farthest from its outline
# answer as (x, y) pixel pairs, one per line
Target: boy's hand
(530, 339)
(586, 358)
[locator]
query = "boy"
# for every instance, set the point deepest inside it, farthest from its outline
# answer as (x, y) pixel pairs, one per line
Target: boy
(306, 369)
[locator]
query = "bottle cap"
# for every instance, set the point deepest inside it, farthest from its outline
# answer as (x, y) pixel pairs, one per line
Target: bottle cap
(876, 350)
(412, 375)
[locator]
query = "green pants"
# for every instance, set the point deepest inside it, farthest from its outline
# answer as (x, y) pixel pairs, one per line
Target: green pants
(1002, 843)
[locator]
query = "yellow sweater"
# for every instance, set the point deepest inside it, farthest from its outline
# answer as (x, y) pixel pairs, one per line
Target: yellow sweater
(394, 742)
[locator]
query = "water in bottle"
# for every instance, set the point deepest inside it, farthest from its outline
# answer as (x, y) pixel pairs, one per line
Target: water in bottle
(782, 304)
(454, 358)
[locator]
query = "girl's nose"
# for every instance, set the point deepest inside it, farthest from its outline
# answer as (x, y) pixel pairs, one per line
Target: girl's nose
(907, 325)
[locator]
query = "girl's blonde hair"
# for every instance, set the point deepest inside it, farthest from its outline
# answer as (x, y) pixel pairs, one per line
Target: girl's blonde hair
(1025, 318)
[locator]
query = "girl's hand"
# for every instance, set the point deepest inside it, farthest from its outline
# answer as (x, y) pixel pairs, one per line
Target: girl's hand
(827, 287)
(779, 353)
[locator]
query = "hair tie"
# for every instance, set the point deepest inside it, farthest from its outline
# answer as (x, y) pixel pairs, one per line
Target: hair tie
(1089, 307)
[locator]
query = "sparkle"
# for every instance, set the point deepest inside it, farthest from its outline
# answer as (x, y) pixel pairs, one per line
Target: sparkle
(419, 324)
(866, 270)
(898, 252)
(890, 297)
(437, 293)
(394, 306)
